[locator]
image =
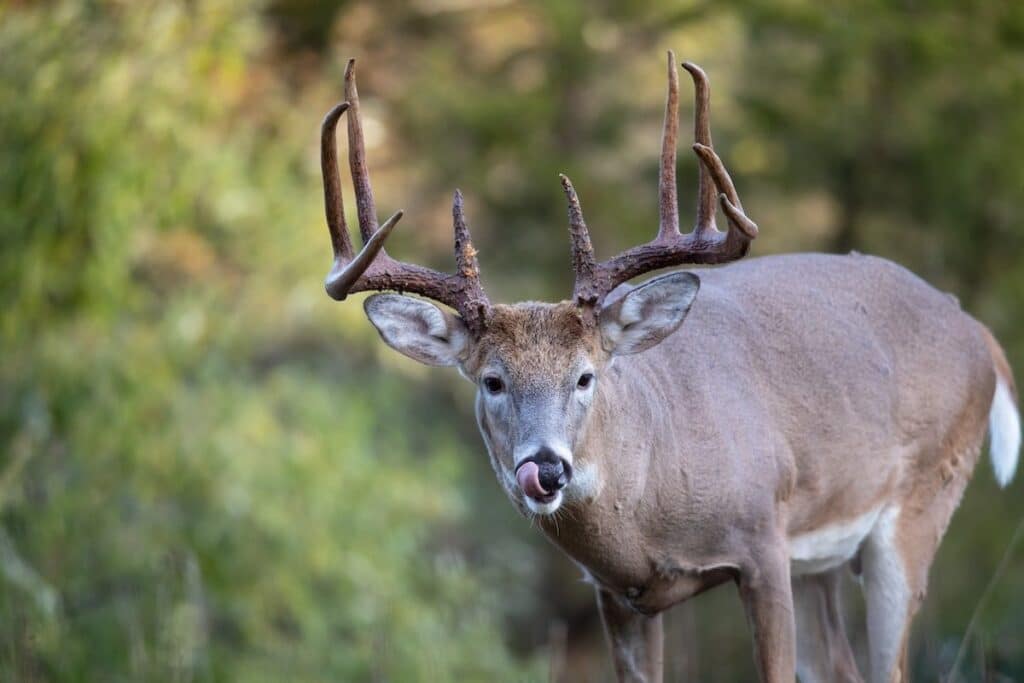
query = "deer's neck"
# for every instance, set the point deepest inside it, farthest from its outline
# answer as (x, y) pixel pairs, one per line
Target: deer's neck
(621, 458)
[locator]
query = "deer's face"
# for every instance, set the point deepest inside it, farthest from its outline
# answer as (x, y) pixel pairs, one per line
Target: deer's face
(537, 369)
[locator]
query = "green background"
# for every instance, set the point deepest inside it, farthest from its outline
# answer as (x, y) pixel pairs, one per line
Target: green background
(211, 472)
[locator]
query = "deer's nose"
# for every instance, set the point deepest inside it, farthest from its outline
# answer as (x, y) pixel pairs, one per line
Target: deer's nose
(554, 472)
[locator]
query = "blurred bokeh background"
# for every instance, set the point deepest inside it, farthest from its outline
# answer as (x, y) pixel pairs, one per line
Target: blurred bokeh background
(211, 472)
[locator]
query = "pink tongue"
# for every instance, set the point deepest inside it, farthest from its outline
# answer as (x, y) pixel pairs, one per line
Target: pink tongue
(528, 476)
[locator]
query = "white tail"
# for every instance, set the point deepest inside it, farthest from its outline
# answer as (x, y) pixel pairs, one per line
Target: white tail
(1004, 434)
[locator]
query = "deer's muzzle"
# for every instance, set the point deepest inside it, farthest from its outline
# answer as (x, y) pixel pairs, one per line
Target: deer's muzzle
(543, 474)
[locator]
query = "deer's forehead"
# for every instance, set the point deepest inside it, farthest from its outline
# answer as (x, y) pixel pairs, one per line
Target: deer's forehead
(536, 342)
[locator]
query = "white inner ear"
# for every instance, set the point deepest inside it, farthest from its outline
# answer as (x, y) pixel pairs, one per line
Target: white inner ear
(418, 328)
(646, 315)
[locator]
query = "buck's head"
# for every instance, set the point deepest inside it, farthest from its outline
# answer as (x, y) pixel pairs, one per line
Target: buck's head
(538, 368)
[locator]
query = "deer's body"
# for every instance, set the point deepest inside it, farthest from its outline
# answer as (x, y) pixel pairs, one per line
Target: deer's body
(814, 414)
(820, 411)
(706, 438)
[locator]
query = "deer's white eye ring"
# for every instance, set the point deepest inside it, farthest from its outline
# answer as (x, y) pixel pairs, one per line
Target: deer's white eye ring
(493, 384)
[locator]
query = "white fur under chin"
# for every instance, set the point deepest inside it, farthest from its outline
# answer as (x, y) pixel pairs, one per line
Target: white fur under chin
(1004, 434)
(544, 508)
(584, 487)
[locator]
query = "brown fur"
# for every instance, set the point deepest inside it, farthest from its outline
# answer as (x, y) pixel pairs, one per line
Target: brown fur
(534, 340)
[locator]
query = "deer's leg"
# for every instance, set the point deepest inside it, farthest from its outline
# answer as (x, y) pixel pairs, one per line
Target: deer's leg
(636, 640)
(897, 554)
(823, 653)
(889, 597)
(768, 601)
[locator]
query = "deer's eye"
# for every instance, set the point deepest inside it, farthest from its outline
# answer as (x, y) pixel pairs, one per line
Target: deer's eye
(493, 384)
(585, 380)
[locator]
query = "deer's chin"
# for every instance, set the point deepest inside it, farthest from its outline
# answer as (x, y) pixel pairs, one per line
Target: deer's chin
(548, 506)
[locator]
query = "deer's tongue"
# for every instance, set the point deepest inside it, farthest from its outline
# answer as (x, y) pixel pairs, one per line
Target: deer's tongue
(528, 476)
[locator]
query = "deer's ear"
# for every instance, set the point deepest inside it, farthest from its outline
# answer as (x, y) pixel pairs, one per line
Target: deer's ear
(418, 328)
(646, 315)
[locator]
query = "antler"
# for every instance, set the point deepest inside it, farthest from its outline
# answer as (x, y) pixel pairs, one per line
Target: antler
(372, 268)
(705, 244)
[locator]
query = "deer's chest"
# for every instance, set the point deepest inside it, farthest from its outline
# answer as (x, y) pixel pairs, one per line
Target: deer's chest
(618, 555)
(661, 587)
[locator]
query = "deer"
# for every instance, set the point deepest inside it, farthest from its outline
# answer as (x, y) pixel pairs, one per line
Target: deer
(772, 423)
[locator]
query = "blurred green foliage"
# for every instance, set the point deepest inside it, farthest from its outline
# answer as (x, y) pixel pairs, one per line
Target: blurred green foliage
(211, 472)
(184, 501)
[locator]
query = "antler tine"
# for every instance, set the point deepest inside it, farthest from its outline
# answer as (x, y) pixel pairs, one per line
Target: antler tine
(583, 263)
(702, 135)
(465, 254)
(712, 164)
(667, 193)
(346, 273)
(333, 205)
(472, 301)
(365, 207)
(705, 245)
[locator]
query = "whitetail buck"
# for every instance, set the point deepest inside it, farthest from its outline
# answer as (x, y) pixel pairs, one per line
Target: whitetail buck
(815, 414)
